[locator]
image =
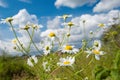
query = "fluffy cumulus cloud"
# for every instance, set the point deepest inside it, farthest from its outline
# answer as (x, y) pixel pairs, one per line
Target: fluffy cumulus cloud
(23, 17)
(91, 24)
(106, 5)
(56, 24)
(3, 4)
(73, 3)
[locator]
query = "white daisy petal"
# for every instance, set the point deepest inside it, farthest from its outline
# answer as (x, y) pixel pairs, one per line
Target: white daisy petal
(97, 57)
(68, 61)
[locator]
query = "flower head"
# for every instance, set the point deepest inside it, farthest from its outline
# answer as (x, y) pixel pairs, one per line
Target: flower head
(46, 66)
(26, 27)
(101, 25)
(7, 20)
(96, 52)
(52, 35)
(69, 49)
(47, 49)
(68, 34)
(35, 26)
(65, 16)
(32, 60)
(97, 44)
(68, 61)
(14, 41)
(70, 24)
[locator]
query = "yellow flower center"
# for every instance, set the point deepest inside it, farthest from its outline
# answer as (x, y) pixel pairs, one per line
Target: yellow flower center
(65, 16)
(68, 47)
(70, 24)
(14, 41)
(52, 34)
(9, 19)
(26, 27)
(101, 25)
(66, 62)
(96, 52)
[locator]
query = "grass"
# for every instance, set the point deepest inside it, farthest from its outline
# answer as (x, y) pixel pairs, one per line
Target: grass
(107, 68)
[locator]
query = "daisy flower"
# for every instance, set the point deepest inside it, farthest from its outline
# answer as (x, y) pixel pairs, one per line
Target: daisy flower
(52, 35)
(36, 26)
(65, 16)
(26, 27)
(14, 41)
(70, 24)
(68, 34)
(101, 25)
(68, 61)
(97, 44)
(47, 49)
(46, 67)
(32, 60)
(96, 52)
(7, 20)
(69, 49)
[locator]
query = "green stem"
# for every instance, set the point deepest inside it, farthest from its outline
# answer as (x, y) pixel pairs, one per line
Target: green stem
(33, 42)
(17, 38)
(19, 48)
(84, 30)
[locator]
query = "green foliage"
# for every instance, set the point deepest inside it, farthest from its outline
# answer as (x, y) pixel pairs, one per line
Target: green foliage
(11, 66)
(101, 73)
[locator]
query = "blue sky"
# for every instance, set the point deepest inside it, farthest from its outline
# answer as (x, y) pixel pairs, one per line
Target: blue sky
(41, 8)
(45, 12)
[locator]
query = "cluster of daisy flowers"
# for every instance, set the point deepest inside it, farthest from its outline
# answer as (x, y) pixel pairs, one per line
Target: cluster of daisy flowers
(48, 45)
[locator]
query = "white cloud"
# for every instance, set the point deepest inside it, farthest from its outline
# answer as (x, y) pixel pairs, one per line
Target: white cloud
(73, 3)
(23, 17)
(3, 4)
(92, 22)
(106, 5)
(26, 1)
(55, 25)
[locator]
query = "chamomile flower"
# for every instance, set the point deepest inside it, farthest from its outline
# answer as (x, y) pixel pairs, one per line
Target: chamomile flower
(65, 16)
(32, 60)
(26, 27)
(52, 35)
(69, 49)
(47, 49)
(36, 26)
(46, 66)
(68, 34)
(68, 61)
(101, 25)
(96, 52)
(70, 24)
(14, 41)
(7, 20)
(97, 44)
